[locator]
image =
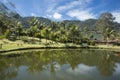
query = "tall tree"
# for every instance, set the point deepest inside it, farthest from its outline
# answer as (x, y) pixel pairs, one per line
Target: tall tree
(74, 32)
(105, 21)
(40, 27)
(109, 33)
(46, 32)
(34, 26)
(19, 28)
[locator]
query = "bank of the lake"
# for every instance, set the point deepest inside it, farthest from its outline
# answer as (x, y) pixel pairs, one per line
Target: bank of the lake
(11, 48)
(8, 46)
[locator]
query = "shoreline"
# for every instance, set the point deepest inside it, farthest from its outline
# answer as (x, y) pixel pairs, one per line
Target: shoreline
(114, 48)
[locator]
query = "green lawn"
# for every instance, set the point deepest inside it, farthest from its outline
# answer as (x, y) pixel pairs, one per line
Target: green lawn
(11, 45)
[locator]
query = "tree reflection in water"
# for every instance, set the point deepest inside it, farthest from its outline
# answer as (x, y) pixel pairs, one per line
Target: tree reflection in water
(52, 60)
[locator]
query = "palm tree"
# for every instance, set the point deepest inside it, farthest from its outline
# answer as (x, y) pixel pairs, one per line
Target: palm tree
(19, 28)
(73, 32)
(40, 27)
(45, 33)
(34, 26)
(109, 33)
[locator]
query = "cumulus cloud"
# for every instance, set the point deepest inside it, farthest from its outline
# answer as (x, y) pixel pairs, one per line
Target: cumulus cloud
(81, 14)
(57, 16)
(76, 8)
(70, 5)
(33, 14)
(117, 15)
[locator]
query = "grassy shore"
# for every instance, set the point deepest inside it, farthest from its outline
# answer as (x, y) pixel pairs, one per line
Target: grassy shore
(20, 45)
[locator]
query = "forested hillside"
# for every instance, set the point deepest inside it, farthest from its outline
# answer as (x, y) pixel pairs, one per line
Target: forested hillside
(12, 25)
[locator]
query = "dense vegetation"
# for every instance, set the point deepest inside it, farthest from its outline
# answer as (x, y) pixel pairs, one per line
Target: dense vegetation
(13, 26)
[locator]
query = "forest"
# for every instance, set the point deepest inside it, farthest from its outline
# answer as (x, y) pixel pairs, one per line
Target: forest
(15, 27)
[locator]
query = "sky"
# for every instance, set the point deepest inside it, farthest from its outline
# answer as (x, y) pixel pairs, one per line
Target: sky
(66, 9)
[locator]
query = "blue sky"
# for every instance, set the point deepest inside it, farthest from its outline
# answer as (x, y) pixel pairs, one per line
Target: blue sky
(66, 9)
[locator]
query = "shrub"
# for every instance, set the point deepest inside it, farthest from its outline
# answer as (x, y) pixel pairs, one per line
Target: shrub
(2, 37)
(92, 43)
(25, 40)
(12, 38)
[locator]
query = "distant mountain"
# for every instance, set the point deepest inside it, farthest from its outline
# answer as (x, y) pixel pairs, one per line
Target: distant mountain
(3, 8)
(12, 15)
(26, 20)
(7, 8)
(90, 23)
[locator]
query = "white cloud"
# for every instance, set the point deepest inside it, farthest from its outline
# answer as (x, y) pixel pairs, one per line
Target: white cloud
(33, 14)
(57, 16)
(81, 3)
(117, 15)
(51, 5)
(54, 9)
(5, 1)
(51, 8)
(70, 5)
(81, 14)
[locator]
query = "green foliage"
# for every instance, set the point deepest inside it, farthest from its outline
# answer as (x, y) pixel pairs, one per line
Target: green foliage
(92, 43)
(2, 37)
(12, 37)
(7, 33)
(67, 31)
(19, 28)
(104, 23)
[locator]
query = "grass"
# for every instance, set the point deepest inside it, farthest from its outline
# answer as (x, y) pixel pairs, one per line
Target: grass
(9, 45)
(19, 44)
(107, 47)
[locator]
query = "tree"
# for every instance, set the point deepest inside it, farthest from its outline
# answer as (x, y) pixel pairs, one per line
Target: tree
(19, 28)
(11, 32)
(45, 33)
(7, 33)
(54, 25)
(34, 27)
(74, 32)
(62, 24)
(4, 23)
(105, 21)
(40, 27)
(109, 33)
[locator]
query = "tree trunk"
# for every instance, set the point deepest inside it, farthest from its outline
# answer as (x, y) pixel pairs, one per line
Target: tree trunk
(0, 46)
(46, 39)
(40, 35)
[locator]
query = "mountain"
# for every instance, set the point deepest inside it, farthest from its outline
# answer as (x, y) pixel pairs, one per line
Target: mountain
(3, 8)
(90, 23)
(26, 20)
(8, 12)
(12, 15)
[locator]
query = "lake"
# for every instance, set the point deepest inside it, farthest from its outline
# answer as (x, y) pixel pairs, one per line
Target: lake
(68, 64)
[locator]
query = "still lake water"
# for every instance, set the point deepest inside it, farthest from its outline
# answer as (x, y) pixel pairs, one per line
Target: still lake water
(61, 65)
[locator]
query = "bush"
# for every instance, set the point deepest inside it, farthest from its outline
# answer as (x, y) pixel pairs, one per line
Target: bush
(92, 43)
(84, 40)
(116, 44)
(2, 37)
(25, 40)
(12, 38)
(7, 33)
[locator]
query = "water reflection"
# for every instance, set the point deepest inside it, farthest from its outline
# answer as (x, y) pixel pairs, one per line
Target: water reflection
(61, 65)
